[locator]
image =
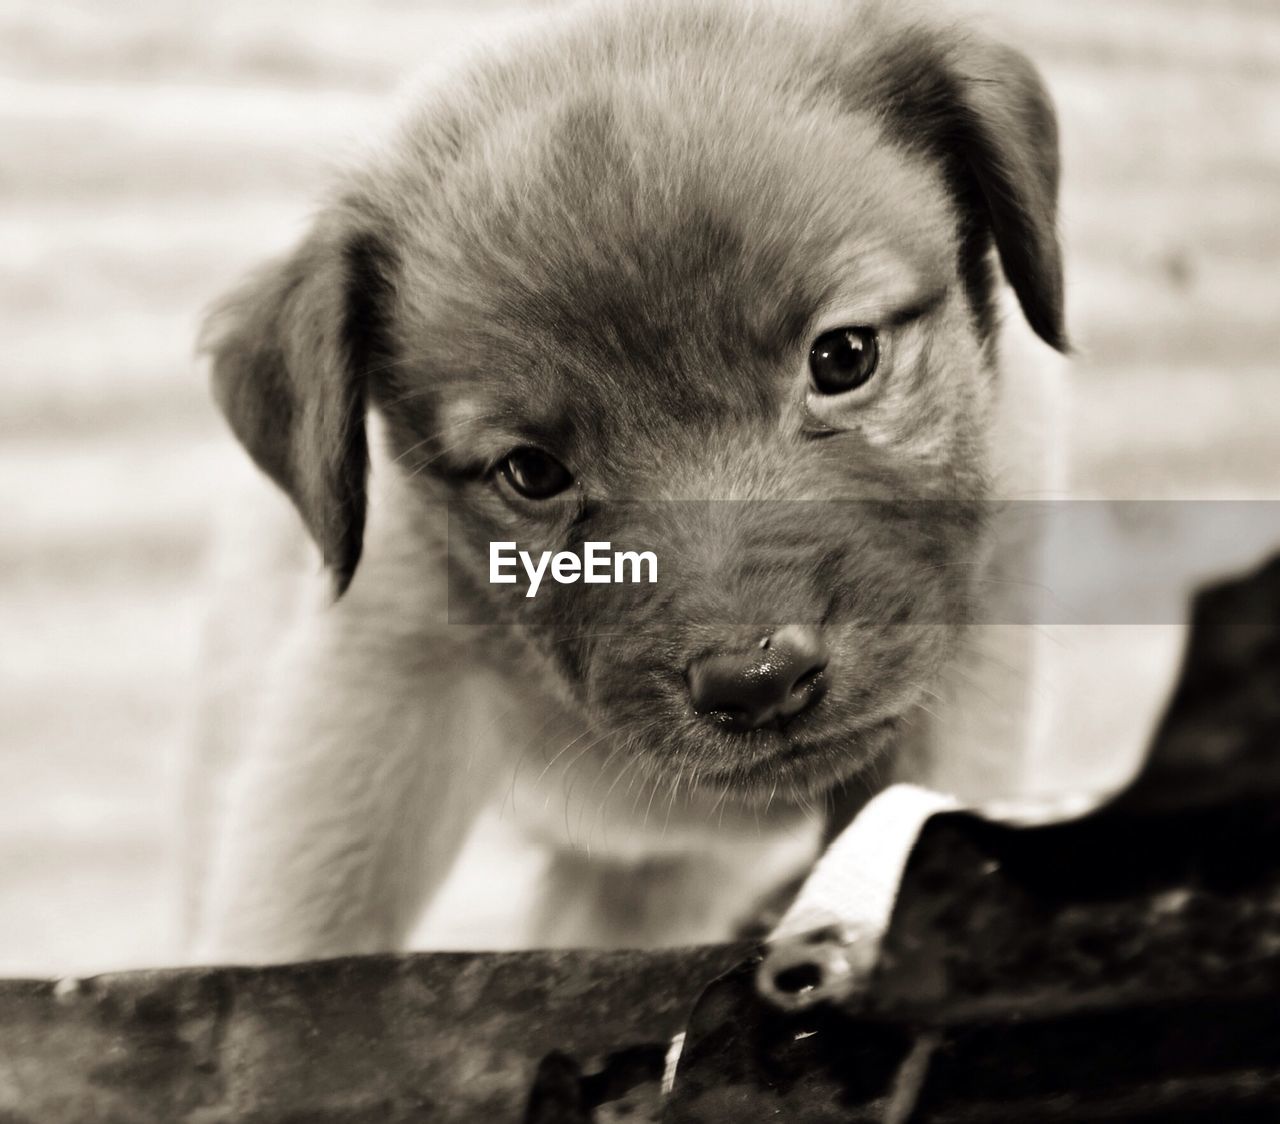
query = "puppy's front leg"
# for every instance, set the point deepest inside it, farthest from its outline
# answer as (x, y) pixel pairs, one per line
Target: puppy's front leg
(353, 800)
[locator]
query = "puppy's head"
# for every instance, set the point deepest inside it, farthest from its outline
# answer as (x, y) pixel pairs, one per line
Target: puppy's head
(713, 284)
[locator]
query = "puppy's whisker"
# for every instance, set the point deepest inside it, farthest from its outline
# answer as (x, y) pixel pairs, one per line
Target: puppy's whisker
(600, 772)
(931, 713)
(682, 764)
(657, 783)
(395, 365)
(421, 466)
(645, 776)
(724, 792)
(629, 745)
(603, 808)
(411, 449)
(568, 775)
(571, 779)
(525, 750)
(675, 791)
(560, 753)
(438, 435)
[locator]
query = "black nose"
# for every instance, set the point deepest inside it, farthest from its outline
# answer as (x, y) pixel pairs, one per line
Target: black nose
(768, 684)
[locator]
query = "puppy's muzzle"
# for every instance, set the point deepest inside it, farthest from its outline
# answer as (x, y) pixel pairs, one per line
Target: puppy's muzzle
(768, 685)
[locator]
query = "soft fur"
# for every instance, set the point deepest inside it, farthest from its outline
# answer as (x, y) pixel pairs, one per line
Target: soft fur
(616, 239)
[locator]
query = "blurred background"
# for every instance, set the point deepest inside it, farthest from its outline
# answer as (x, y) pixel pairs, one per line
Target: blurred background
(154, 150)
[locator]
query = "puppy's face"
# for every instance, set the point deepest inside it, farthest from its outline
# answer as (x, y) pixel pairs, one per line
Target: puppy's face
(728, 306)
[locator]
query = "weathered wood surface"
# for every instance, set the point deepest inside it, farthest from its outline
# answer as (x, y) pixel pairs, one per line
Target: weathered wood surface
(425, 1039)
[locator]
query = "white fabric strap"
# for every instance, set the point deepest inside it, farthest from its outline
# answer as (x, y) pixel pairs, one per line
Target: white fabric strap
(828, 941)
(855, 882)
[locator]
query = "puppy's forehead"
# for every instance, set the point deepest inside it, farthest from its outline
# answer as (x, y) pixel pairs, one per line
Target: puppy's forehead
(662, 245)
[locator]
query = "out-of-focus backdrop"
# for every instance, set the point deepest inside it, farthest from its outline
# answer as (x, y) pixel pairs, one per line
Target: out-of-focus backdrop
(153, 150)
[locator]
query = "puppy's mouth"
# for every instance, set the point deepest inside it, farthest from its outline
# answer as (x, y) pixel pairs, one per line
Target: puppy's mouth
(800, 761)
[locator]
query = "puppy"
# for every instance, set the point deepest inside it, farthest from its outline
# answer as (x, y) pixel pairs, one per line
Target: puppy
(714, 281)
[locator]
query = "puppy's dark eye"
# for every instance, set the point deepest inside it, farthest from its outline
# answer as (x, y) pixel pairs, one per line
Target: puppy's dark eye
(843, 359)
(534, 474)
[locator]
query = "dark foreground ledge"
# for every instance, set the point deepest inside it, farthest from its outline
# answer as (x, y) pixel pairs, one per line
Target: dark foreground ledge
(1123, 967)
(437, 1037)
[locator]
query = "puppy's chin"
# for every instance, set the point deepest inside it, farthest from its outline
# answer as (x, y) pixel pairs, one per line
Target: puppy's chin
(764, 769)
(770, 766)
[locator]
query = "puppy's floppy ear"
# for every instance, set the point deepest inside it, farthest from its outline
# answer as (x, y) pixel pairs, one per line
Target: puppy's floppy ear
(981, 109)
(291, 351)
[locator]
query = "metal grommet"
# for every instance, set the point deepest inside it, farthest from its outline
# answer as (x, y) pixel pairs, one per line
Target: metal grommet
(827, 964)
